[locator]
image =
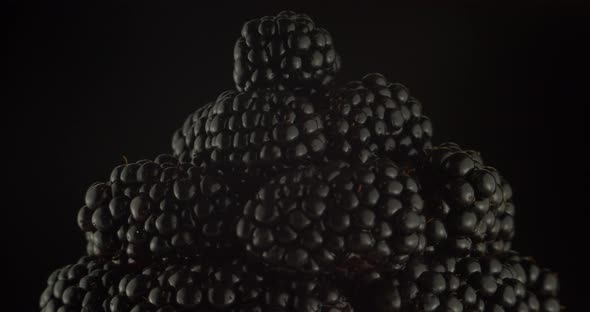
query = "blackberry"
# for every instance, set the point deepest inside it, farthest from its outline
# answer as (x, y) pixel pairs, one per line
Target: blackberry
(252, 133)
(156, 209)
(230, 286)
(542, 285)
(468, 204)
(180, 285)
(319, 218)
(82, 286)
(375, 116)
(286, 51)
(424, 285)
(509, 282)
(305, 294)
(475, 284)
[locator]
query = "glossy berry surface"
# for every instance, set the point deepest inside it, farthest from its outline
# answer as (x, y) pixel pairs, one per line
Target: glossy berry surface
(316, 218)
(286, 51)
(160, 208)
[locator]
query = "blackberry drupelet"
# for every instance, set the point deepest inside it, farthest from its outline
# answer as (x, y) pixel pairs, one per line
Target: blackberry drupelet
(286, 51)
(375, 116)
(468, 204)
(474, 284)
(230, 286)
(252, 134)
(158, 208)
(82, 286)
(320, 218)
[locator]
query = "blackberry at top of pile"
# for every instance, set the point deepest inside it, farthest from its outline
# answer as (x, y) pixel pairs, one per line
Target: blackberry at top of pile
(286, 51)
(160, 208)
(468, 204)
(376, 117)
(245, 131)
(317, 218)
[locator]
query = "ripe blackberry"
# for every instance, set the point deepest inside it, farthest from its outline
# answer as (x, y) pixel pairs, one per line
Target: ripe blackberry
(474, 284)
(246, 131)
(424, 285)
(468, 204)
(155, 209)
(509, 282)
(230, 286)
(82, 286)
(286, 51)
(542, 285)
(180, 285)
(375, 116)
(321, 217)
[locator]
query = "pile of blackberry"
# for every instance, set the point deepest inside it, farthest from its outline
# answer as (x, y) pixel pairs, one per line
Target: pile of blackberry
(299, 192)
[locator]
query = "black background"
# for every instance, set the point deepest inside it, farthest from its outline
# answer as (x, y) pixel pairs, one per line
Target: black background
(100, 82)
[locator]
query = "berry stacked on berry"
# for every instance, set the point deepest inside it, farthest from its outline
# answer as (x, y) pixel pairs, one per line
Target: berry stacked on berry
(299, 192)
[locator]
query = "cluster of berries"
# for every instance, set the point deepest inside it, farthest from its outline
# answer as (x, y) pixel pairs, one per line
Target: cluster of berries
(296, 192)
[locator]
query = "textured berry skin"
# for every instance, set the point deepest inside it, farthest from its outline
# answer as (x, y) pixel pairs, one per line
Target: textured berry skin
(317, 218)
(286, 51)
(252, 134)
(468, 204)
(230, 286)
(375, 116)
(82, 286)
(157, 209)
(473, 284)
